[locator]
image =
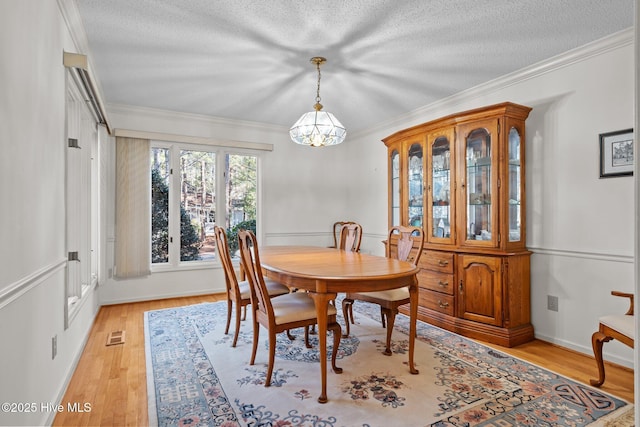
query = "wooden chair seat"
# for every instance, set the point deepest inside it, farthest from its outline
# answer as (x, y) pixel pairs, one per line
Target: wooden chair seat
(393, 295)
(621, 323)
(274, 288)
(620, 327)
(296, 307)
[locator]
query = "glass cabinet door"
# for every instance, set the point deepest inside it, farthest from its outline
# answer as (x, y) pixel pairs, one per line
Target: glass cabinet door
(439, 204)
(515, 186)
(395, 187)
(480, 210)
(415, 185)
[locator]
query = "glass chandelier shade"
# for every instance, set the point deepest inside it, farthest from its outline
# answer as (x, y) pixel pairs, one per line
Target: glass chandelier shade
(318, 128)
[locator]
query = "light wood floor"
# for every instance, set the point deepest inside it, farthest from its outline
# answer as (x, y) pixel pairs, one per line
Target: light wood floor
(113, 379)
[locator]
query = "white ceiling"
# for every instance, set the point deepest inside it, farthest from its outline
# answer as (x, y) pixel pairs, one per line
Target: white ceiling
(249, 59)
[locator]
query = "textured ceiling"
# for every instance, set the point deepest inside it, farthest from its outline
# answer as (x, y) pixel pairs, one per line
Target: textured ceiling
(249, 60)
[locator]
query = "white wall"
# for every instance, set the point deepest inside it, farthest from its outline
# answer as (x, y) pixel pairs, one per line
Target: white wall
(32, 219)
(580, 227)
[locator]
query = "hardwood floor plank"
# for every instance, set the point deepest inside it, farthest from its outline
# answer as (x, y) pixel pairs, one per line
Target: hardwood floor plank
(113, 378)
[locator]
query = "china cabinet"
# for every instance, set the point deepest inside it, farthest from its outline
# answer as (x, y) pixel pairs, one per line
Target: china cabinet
(462, 179)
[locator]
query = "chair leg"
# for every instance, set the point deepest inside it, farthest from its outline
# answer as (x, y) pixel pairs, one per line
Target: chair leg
(597, 340)
(229, 308)
(337, 333)
(382, 317)
(272, 357)
(237, 331)
(256, 337)
(347, 312)
(390, 314)
(244, 314)
(306, 337)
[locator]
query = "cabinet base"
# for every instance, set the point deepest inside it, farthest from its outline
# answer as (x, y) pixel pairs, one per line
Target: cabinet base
(506, 337)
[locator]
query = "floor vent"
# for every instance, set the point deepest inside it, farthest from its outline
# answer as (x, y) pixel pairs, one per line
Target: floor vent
(115, 337)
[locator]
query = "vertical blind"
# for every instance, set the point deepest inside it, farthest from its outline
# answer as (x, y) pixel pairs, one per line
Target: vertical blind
(133, 208)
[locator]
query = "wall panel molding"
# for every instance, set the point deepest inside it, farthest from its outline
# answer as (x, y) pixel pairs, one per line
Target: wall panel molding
(22, 286)
(600, 256)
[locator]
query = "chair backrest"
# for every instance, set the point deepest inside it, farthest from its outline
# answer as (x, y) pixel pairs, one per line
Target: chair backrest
(350, 237)
(405, 243)
(337, 229)
(222, 245)
(250, 259)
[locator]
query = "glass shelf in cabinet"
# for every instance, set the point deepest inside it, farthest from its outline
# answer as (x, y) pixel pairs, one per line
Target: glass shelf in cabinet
(477, 167)
(441, 171)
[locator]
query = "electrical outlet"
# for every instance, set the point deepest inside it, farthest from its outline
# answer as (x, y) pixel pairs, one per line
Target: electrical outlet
(54, 347)
(552, 303)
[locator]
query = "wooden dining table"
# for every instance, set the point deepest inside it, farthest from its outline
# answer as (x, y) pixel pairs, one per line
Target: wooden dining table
(325, 272)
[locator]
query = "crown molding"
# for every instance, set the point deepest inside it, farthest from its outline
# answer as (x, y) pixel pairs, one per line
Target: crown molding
(160, 136)
(157, 113)
(570, 57)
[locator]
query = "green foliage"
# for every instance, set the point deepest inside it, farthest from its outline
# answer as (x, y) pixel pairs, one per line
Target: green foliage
(232, 234)
(159, 218)
(189, 241)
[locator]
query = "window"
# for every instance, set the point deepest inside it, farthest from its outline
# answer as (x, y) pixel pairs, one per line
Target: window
(193, 189)
(82, 200)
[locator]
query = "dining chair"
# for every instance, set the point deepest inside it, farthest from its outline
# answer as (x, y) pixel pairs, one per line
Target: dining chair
(337, 229)
(620, 327)
(238, 292)
(404, 244)
(279, 314)
(350, 237)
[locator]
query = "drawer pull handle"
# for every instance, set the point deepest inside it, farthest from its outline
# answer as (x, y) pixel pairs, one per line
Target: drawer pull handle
(443, 284)
(443, 304)
(443, 263)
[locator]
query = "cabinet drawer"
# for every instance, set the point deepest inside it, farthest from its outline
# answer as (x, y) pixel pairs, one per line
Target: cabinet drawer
(436, 301)
(436, 281)
(437, 261)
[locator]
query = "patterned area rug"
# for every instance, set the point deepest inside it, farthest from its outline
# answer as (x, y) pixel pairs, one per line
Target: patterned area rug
(195, 378)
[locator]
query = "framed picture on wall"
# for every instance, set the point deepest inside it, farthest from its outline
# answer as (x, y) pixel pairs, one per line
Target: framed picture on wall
(616, 153)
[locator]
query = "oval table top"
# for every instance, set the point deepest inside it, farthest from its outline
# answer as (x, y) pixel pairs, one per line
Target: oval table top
(321, 263)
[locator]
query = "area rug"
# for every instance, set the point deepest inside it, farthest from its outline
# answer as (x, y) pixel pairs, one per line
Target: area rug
(195, 378)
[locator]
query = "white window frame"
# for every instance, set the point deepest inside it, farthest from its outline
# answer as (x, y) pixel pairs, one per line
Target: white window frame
(220, 152)
(82, 193)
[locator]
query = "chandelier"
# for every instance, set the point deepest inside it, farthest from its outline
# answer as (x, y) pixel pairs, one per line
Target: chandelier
(317, 128)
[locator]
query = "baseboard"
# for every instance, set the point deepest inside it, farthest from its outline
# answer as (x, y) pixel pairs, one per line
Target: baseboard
(584, 350)
(162, 296)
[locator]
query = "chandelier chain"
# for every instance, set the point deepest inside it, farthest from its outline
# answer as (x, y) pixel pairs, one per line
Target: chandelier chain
(318, 90)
